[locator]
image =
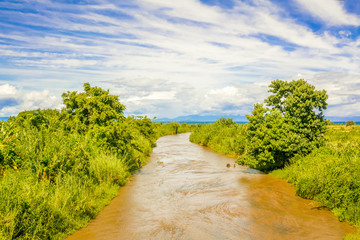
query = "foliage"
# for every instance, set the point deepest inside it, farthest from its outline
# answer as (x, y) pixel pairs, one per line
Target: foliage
(171, 128)
(350, 123)
(59, 168)
(291, 124)
(95, 106)
(330, 174)
(224, 136)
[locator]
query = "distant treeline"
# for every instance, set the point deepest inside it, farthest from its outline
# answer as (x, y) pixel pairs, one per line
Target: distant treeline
(58, 169)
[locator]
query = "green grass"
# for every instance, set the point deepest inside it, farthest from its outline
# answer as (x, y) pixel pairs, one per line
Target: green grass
(163, 129)
(58, 169)
(31, 209)
(53, 181)
(224, 136)
(58, 188)
(331, 174)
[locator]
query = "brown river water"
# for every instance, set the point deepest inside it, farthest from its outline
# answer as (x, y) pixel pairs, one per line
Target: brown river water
(187, 192)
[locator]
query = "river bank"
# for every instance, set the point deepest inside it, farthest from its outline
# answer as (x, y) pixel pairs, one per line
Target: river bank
(329, 175)
(58, 169)
(187, 192)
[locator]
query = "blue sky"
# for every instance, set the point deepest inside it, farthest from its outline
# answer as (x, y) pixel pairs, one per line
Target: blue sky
(173, 58)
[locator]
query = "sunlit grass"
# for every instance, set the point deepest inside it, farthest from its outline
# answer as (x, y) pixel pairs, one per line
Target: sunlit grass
(331, 174)
(228, 139)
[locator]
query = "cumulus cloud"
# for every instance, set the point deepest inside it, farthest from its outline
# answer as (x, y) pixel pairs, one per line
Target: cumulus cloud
(165, 98)
(14, 100)
(234, 99)
(343, 90)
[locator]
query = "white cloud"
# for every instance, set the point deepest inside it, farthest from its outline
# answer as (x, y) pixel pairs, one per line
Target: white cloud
(331, 12)
(177, 57)
(343, 90)
(13, 100)
(7, 90)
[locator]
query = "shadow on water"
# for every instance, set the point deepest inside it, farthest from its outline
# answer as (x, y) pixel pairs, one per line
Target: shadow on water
(187, 192)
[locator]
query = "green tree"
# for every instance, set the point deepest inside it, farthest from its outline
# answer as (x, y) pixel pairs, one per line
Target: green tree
(226, 122)
(350, 123)
(292, 123)
(94, 106)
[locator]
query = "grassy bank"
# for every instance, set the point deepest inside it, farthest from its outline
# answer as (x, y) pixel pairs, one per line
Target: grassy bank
(163, 129)
(329, 175)
(54, 181)
(224, 136)
(58, 169)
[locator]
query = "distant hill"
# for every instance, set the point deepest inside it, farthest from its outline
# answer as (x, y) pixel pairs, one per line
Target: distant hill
(205, 118)
(4, 118)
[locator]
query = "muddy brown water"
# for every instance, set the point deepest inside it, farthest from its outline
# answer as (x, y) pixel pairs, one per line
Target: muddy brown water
(187, 192)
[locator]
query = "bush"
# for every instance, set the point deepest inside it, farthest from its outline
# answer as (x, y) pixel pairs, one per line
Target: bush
(224, 136)
(350, 123)
(163, 129)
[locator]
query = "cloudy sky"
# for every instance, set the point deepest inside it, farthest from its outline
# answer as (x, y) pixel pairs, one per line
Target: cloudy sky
(169, 58)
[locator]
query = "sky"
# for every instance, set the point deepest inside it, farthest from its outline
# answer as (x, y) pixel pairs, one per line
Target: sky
(167, 58)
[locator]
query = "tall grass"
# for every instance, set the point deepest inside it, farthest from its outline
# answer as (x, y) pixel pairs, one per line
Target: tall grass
(163, 129)
(331, 174)
(31, 209)
(53, 181)
(224, 136)
(56, 175)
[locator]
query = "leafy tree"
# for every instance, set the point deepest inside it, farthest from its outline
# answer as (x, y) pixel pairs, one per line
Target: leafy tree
(226, 122)
(292, 123)
(94, 106)
(350, 123)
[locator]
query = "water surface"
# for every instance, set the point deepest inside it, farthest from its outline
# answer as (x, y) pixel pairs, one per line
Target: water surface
(187, 192)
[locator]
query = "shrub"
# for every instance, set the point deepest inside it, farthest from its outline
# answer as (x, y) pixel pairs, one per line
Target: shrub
(350, 123)
(224, 136)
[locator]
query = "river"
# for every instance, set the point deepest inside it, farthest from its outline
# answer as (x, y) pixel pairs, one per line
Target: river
(187, 192)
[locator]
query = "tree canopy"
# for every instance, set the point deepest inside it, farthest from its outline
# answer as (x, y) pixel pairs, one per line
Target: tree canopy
(291, 123)
(94, 106)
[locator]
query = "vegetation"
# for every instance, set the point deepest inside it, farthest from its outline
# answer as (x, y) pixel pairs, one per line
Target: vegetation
(58, 169)
(330, 174)
(350, 123)
(163, 129)
(291, 124)
(323, 162)
(224, 136)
